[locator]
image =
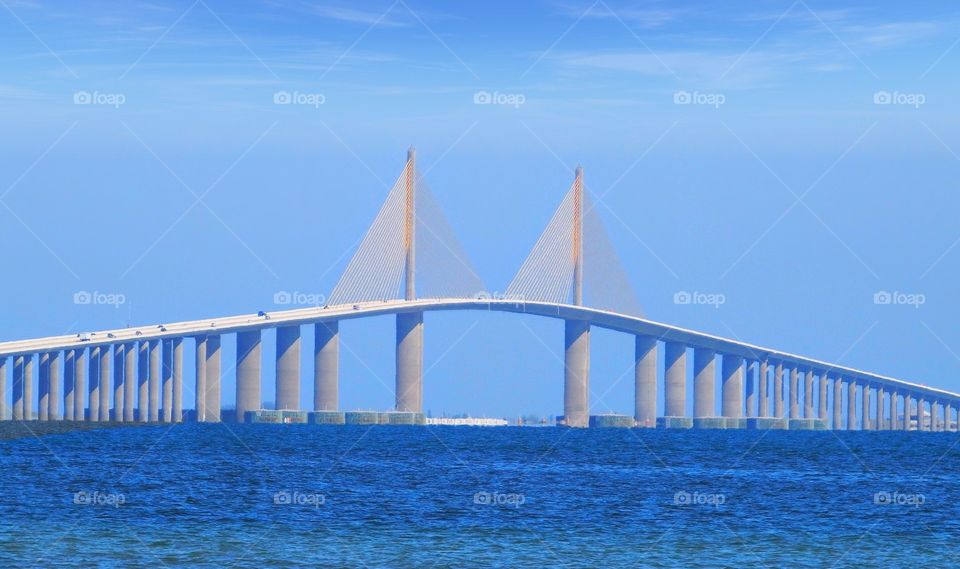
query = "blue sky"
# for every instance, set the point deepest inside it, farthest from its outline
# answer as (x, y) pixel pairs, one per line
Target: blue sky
(700, 124)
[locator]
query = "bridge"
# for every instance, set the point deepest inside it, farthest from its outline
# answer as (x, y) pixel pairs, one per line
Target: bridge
(136, 374)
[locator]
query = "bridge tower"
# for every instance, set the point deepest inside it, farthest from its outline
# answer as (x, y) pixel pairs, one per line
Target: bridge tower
(409, 380)
(576, 384)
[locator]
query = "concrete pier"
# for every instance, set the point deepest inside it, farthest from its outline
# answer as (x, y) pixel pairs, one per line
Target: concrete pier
(129, 381)
(907, 411)
(409, 366)
(851, 405)
(764, 384)
(68, 384)
(249, 361)
(949, 419)
(17, 385)
(43, 388)
(79, 384)
(177, 380)
(749, 370)
(93, 384)
(166, 381)
(794, 393)
(645, 381)
(119, 383)
(778, 391)
(288, 368)
(894, 411)
(880, 412)
(326, 366)
(837, 403)
(808, 393)
(576, 384)
(731, 386)
(704, 383)
(822, 400)
(212, 376)
(675, 380)
(104, 368)
(28, 388)
(154, 394)
(54, 402)
(143, 381)
(934, 416)
(865, 407)
(4, 413)
(201, 374)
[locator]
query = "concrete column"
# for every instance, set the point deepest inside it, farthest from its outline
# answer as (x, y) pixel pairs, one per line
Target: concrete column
(675, 380)
(17, 403)
(177, 380)
(68, 384)
(851, 405)
(212, 377)
(53, 410)
(865, 407)
(732, 386)
(166, 385)
(880, 412)
(28, 388)
(949, 424)
(645, 381)
(808, 393)
(704, 383)
(326, 366)
(248, 373)
(4, 413)
(894, 412)
(93, 381)
(153, 409)
(822, 401)
(749, 369)
(778, 391)
(794, 393)
(119, 383)
(288, 367)
(104, 367)
(576, 374)
(907, 411)
(43, 388)
(79, 384)
(764, 383)
(837, 402)
(143, 381)
(201, 375)
(409, 368)
(934, 416)
(129, 380)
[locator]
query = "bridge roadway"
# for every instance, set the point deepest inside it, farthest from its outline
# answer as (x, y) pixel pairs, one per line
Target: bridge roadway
(737, 351)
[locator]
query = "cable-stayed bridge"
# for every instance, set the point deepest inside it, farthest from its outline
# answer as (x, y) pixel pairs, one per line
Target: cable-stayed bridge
(410, 263)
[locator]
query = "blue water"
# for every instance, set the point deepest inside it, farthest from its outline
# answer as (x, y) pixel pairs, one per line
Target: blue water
(267, 495)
